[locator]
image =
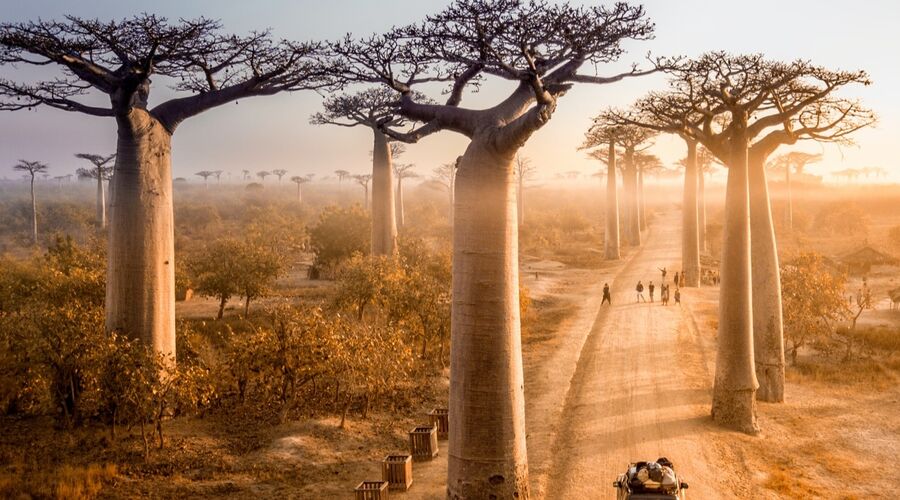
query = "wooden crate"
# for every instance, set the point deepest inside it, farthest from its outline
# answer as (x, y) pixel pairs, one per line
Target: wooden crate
(440, 418)
(397, 471)
(372, 490)
(423, 442)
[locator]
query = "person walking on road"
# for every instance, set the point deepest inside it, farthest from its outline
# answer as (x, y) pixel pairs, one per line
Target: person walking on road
(664, 294)
(663, 272)
(650, 288)
(677, 296)
(640, 292)
(676, 279)
(606, 298)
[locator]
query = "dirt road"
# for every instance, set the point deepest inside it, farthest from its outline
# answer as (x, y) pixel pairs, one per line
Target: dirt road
(641, 389)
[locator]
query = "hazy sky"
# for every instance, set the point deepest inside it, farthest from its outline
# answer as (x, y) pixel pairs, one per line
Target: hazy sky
(274, 132)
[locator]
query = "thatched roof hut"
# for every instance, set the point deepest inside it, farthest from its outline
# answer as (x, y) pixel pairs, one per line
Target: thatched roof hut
(861, 261)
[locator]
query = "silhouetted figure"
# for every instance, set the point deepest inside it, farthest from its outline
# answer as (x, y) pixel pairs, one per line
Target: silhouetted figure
(640, 292)
(676, 278)
(681, 283)
(664, 294)
(663, 272)
(606, 297)
(650, 288)
(677, 296)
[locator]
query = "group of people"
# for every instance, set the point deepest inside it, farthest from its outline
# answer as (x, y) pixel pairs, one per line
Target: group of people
(664, 290)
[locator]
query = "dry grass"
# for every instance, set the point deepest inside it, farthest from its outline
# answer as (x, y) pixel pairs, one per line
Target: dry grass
(66, 482)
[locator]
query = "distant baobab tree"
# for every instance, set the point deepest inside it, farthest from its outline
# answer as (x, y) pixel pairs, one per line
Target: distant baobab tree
(299, 181)
(206, 174)
(363, 180)
(341, 175)
(119, 59)
(279, 172)
(101, 171)
(524, 172)
(218, 175)
(60, 178)
(849, 174)
(262, 174)
(32, 168)
(796, 161)
(605, 140)
(877, 171)
(245, 174)
(726, 102)
(402, 171)
(445, 175)
(467, 40)
(373, 108)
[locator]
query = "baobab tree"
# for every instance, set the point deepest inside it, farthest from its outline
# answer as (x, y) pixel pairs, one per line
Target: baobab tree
(262, 174)
(363, 180)
(279, 172)
(373, 108)
(245, 174)
(218, 175)
(32, 168)
(541, 47)
(118, 59)
(524, 172)
(341, 175)
(644, 163)
(797, 161)
(206, 174)
(445, 175)
(736, 99)
(299, 181)
(101, 171)
(604, 139)
(706, 164)
(402, 171)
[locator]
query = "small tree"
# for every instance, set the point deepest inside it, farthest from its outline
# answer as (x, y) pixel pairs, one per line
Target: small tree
(262, 174)
(814, 301)
(363, 180)
(214, 271)
(339, 233)
(206, 174)
(32, 168)
(341, 175)
(299, 181)
(401, 171)
(279, 172)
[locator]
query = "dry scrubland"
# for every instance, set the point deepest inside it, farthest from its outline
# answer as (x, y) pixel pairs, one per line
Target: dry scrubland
(837, 429)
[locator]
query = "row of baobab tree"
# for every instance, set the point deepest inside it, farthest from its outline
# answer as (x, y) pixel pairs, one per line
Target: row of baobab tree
(740, 108)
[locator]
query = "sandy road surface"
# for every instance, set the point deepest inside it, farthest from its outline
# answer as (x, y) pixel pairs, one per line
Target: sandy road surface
(641, 389)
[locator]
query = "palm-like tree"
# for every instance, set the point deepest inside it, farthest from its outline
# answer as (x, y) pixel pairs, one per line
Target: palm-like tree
(262, 174)
(363, 180)
(101, 171)
(32, 168)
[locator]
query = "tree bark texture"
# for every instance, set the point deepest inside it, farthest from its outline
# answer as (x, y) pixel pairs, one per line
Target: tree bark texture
(520, 201)
(384, 219)
(401, 214)
(487, 454)
(768, 328)
(734, 402)
(701, 210)
(642, 215)
(101, 202)
(140, 288)
(612, 207)
(690, 238)
(34, 231)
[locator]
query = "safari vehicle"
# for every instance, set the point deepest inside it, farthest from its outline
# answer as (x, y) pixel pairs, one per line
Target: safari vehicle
(650, 481)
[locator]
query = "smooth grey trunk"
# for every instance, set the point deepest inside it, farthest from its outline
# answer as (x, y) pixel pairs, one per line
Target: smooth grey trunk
(632, 212)
(612, 207)
(452, 190)
(299, 193)
(140, 286)
(401, 215)
(734, 401)
(384, 219)
(34, 231)
(101, 201)
(690, 237)
(768, 327)
(487, 454)
(701, 214)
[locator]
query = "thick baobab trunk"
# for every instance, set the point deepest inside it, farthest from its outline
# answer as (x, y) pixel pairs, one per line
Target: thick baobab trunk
(401, 215)
(384, 219)
(701, 210)
(612, 207)
(101, 202)
(632, 212)
(734, 401)
(520, 201)
(140, 286)
(487, 457)
(34, 232)
(789, 209)
(690, 238)
(768, 328)
(299, 192)
(642, 217)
